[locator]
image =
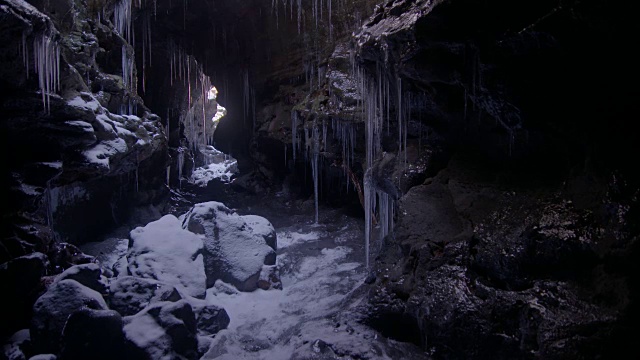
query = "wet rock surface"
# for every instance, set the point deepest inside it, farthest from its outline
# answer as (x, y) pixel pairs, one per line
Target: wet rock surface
(522, 273)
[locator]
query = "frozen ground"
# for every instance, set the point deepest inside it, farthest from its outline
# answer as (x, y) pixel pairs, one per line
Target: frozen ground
(316, 314)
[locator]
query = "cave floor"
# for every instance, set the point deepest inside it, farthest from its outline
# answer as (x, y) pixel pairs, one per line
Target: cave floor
(318, 312)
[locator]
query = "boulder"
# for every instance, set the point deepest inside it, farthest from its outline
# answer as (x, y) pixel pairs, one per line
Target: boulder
(86, 274)
(210, 319)
(234, 251)
(163, 251)
(53, 308)
(18, 345)
(129, 294)
(164, 330)
(93, 334)
(263, 227)
(20, 279)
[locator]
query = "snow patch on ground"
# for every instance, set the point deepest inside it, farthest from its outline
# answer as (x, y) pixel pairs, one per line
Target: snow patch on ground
(107, 251)
(289, 238)
(223, 171)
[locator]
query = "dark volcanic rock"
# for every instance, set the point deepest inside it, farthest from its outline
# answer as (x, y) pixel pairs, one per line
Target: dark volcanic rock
(498, 273)
(21, 282)
(163, 329)
(129, 295)
(52, 310)
(93, 334)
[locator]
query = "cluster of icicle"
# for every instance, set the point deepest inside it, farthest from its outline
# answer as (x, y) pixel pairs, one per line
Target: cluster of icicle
(248, 98)
(185, 69)
(379, 95)
(46, 61)
(318, 8)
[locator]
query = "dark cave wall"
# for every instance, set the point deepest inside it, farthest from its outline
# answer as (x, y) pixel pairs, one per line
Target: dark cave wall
(523, 244)
(48, 146)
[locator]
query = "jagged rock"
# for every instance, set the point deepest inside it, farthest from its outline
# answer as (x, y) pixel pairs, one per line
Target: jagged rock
(162, 250)
(210, 319)
(164, 330)
(64, 255)
(53, 308)
(129, 295)
(93, 334)
(20, 279)
(233, 251)
(88, 275)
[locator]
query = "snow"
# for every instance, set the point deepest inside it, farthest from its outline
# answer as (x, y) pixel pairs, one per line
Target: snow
(100, 153)
(163, 251)
(321, 271)
(108, 251)
(147, 331)
(263, 227)
(266, 319)
(30, 189)
(85, 126)
(43, 357)
(52, 309)
(81, 103)
(289, 238)
(143, 331)
(53, 164)
(233, 252)
(223, 171)
(106, 122)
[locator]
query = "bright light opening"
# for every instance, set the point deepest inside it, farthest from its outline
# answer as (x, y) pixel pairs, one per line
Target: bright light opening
(213, 93)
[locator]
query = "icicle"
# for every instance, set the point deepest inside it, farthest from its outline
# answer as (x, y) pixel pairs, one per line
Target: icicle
(294, 133)
(169, 176)
(46, 55)
(299, 15)
(314, 166)
(122, 20)
(137, 169)
(368, 209)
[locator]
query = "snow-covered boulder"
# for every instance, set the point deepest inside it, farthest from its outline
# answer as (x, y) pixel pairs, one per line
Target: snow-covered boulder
(163, 331)
(88, 275)
(93, 334)
(263, 227)
(53, 308)
(234, 251)
(163, 251)
(129, 294)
